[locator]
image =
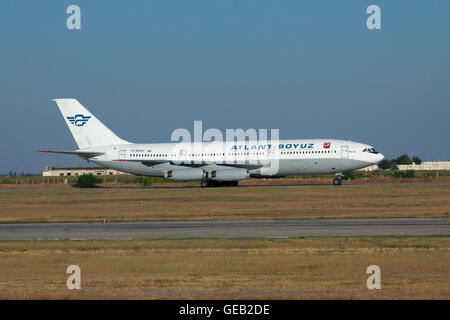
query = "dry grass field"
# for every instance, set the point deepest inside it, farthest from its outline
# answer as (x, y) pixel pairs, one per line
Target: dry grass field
(299, 268)
(309, 268)
(145, 204)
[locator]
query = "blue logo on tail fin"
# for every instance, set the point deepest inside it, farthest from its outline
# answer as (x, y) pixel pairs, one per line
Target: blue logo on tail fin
(79, 120)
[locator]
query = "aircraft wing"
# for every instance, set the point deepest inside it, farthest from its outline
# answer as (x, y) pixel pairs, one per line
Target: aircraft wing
(148, 163)
(191, 164)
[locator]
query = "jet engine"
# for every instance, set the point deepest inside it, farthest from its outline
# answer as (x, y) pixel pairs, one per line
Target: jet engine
(229, 174)
(185, 174)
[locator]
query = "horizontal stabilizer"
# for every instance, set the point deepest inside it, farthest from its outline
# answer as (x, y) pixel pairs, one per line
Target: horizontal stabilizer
(84, 154)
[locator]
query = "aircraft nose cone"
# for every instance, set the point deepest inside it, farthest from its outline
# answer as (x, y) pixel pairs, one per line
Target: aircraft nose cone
(380, 157)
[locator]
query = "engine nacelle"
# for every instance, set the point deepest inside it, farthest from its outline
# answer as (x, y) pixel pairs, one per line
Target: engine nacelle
(185, 174)
(229, 174)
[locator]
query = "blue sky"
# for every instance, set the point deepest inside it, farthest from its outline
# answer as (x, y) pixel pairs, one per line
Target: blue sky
(310, 68)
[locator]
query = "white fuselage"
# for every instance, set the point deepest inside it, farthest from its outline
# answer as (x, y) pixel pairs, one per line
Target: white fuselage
(285, 157)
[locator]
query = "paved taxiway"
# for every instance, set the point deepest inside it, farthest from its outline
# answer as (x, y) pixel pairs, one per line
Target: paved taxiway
(227, 229)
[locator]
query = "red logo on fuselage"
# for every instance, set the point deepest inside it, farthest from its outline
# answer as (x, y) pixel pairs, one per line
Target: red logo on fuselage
(327, 145)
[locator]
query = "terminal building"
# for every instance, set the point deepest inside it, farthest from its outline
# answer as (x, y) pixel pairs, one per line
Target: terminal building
(78, 171)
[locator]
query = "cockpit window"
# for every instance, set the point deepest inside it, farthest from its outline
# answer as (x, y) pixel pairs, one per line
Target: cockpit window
(371, 150)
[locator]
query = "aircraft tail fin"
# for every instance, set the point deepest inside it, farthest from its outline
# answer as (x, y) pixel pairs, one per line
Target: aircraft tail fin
(86, 129)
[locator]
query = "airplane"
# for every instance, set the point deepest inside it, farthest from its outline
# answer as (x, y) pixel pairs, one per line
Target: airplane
(214, 163)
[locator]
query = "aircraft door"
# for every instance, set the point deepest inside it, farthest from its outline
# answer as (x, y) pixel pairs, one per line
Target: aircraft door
(272, 164)
(344, 152)
(271, 154)
(122, 154)
(182, 155)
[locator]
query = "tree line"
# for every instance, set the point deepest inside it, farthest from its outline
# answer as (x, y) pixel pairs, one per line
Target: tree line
(387, 164)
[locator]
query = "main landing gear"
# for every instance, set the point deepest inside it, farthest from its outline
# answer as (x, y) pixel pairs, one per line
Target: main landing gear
(337, 181)
(214, 183)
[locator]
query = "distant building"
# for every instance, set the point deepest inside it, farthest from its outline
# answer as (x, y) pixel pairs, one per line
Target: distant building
(425, 165)
(369, 168)
(78, 171)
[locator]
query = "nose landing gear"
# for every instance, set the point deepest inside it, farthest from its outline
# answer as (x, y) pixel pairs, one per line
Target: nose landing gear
(337, 181)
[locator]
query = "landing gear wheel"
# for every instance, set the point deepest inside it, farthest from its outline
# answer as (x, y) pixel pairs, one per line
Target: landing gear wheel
(337, 181)
(228, 184)
(209, 184)
(214, 184)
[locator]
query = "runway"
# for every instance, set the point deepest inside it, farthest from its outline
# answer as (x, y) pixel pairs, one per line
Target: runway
(324, 185)
(227, 229)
